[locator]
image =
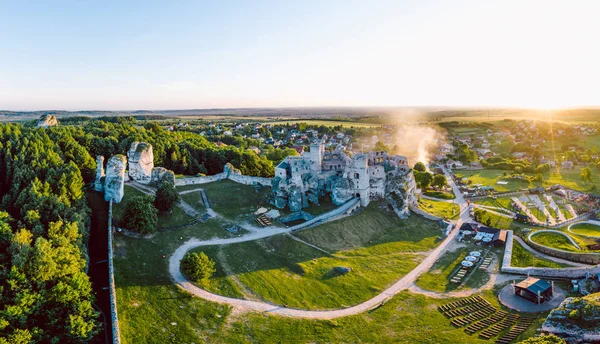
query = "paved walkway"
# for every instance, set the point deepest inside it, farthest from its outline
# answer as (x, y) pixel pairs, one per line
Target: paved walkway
(402, 284)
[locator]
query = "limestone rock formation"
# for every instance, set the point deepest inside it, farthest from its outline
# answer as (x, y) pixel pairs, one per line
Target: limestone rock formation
(341, 191)
(141, 162)
(98, 182)
(576, 319)
(161, 174)
(46, 121)
(294, 199)
(229, 169)
(115, 177)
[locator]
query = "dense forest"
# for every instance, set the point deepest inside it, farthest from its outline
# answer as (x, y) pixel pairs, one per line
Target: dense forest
(45, 294)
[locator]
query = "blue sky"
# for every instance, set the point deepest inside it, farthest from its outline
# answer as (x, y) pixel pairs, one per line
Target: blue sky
(205, 54)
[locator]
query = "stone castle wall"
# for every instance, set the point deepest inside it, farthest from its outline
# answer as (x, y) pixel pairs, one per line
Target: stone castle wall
(238, 178)
(116, 334)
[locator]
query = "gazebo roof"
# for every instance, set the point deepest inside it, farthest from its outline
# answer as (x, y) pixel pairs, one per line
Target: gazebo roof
(534, 285)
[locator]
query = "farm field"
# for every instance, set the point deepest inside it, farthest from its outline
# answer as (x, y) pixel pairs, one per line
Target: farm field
(327, 123)
(441, 209)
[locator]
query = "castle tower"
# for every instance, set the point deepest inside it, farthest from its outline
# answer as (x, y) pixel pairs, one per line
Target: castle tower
(358, 173)
(316, 155)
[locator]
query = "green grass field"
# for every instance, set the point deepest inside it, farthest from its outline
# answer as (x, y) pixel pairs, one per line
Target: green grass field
(586, 229)
(153, 310)
(439, 194)
(500, 202)
(288, 272)
(438, 277)
(523, 258)
(572, 179)
(445, 210)
(491, 177)
(554, 240)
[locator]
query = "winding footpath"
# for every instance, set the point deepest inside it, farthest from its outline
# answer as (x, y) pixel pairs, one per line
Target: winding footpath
(247, 305)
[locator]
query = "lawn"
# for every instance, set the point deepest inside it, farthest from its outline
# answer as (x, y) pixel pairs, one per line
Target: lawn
(285, 271)
(491, 177)
(586, 229)
(572, 179)
(439, 194)
(153, 310)
(234, 201)
(500, 202)
(445, 210)
(523, 258)
(496, 220)
(438, 277)
(554, 240)
(373, 226)
(194, 199)
(176, 218)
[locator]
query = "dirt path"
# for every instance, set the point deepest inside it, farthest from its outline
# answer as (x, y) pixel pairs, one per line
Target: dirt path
(248, 305)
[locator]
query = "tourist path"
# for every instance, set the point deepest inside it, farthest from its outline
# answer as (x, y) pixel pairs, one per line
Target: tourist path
(259, 306)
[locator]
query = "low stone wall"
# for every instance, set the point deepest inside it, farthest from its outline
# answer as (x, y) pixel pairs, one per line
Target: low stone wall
(587, 258)
(346, 207)
(199, 180)
(238, 178)
(572, 272)
(111, 282)
(249, 180)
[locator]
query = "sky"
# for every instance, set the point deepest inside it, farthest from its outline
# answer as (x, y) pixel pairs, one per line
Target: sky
(127, 55)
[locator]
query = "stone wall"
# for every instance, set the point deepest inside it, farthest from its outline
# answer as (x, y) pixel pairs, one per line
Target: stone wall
(587, 258)
(247, 180)
(344, 208)
(572, 272)
(200, 180)
(111, 282)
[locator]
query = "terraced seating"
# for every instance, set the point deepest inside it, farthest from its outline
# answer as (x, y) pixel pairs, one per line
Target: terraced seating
(514, 332)
(505, 324)
(487, 322)
(461, 303)
(485, 312)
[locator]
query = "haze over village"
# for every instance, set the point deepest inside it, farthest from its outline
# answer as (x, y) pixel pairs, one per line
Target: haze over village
(299, 172)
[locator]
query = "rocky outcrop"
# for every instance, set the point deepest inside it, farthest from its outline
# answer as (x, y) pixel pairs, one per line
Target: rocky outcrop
(230, 170)
(99, 181)
(46, 121)
(141, 162)
(575, 319)
(294, 199)
(115, 178)
(341, 191)
(161, 174)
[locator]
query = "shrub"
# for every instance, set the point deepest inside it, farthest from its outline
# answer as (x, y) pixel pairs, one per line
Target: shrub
(166, 197)
(574, 314)
(197, 267)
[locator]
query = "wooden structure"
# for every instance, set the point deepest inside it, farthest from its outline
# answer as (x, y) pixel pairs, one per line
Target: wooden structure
(534, 290)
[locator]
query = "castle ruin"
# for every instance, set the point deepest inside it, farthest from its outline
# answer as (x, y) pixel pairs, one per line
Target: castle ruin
(368, 176)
